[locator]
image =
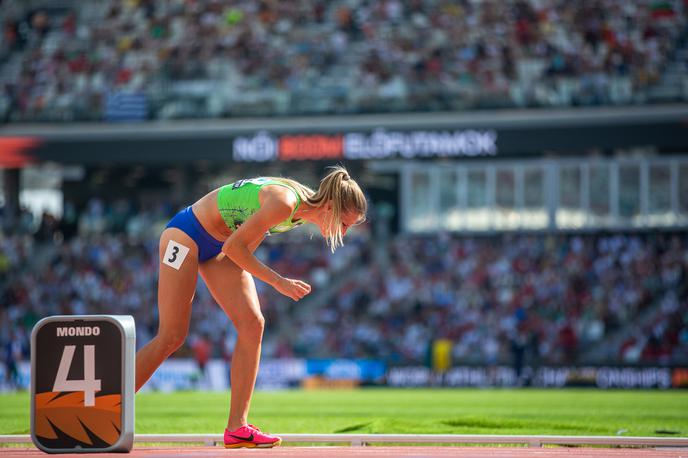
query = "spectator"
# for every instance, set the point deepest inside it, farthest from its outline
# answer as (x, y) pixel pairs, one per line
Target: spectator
(12, 349)
(202, 351)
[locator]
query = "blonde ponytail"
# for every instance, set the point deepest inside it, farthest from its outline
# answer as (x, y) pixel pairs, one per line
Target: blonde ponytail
(338, 188)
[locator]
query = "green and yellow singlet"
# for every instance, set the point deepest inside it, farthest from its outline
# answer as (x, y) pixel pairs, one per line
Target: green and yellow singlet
(239, 200)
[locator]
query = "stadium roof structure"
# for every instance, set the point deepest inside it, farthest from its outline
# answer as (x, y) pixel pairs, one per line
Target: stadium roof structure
(525, 132)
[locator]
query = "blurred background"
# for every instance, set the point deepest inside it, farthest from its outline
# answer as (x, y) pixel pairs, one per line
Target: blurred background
(525, 163)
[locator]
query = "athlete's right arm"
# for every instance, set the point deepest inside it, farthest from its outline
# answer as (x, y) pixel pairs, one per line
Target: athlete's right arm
(238, 247)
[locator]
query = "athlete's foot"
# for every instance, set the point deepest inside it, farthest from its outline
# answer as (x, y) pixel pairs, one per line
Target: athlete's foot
(250, 437)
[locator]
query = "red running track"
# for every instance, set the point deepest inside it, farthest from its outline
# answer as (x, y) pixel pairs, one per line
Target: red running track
(397, 451)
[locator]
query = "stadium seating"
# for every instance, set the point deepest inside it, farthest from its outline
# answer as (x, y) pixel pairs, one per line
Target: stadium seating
(112, 60)
(559, 299)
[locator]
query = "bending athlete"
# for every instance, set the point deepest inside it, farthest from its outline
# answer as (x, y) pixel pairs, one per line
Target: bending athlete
(217, 237)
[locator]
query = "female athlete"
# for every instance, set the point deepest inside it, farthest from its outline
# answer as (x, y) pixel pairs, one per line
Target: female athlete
(216, 237)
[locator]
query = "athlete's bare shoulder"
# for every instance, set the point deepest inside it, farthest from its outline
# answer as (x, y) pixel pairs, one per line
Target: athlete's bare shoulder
(277, 195)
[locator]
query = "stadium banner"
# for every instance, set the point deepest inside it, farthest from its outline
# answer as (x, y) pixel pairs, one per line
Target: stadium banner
(183, 374)
(281, 373)
(484, 134)
(543, 376)
(177, 374)
(124, 105)
(379, 144)
(361, 370)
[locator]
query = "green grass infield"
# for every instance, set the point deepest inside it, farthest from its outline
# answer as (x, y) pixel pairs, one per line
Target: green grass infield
(406, 411)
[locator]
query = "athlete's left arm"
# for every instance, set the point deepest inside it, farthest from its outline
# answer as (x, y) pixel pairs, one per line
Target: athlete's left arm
(275, 207)
(254, 245)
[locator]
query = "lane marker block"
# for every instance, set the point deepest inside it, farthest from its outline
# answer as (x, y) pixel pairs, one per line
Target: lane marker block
(82, 383)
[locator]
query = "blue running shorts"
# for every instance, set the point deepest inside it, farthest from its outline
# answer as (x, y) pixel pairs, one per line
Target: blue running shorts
(208, 246)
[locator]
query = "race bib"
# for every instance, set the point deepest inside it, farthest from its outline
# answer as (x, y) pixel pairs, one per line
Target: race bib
(175, 254)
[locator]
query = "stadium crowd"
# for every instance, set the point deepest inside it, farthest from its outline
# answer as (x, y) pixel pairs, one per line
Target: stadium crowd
(548, 299)
(164, 59)
(108, 264)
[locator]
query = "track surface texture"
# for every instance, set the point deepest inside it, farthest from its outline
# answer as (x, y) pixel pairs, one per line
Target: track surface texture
(398, 451)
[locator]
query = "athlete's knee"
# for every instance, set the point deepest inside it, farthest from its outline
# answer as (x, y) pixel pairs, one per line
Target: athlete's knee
(171, 340)
(251, 326)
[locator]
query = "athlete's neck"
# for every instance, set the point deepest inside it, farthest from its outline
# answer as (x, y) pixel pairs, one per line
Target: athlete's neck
(308, 213)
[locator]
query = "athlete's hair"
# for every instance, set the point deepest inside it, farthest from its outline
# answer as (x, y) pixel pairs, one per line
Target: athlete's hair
(342, 191)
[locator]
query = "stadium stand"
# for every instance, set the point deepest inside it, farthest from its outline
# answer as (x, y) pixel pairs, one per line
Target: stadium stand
(112, 60)
(544, 297)
(551, 300)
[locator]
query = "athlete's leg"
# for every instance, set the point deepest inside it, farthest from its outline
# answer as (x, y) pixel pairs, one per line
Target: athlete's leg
(176, 288)
(235, 291)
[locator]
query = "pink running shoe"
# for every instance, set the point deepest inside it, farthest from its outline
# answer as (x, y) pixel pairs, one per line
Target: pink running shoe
(250, 437)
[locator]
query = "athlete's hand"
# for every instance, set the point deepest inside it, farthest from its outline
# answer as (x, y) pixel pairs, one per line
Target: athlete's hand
(296, 289)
